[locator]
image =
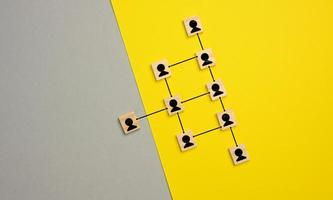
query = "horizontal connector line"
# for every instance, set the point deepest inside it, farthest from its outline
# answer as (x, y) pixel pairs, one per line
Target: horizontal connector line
(233, 136)
(151, 113)
(195, 97)
(211, 73)
(222, 104)
(202, 48)
(207, 131)
(167, 84)
(180, 62)
(180, 122)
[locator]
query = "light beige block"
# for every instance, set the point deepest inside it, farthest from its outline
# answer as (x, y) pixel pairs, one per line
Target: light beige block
(161, 69)
(129, 122)
(205, 58)
(173, 105)
(226, 119)
(239, 154)
(193, 25)
(216, 90)
(186, 141)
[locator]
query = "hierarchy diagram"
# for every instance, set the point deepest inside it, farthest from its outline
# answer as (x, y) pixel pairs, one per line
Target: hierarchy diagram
(174, 104)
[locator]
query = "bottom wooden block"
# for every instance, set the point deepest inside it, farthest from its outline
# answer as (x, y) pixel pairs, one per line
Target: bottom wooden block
(239, 154)
(186, 141)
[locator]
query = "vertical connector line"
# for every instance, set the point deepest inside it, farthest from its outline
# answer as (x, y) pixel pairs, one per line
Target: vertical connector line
(233, 136)
(180, 122)
(167, 84)
(222, 104)
(212, 75)
(202, 48)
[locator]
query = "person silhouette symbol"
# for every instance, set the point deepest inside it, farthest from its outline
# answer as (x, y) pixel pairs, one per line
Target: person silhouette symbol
(173, 103)
(239, 154)
(226, 119)
(216, 88)
(161, 69)
(193, 24)
(205, 58)
(129, 123)
(186, 139)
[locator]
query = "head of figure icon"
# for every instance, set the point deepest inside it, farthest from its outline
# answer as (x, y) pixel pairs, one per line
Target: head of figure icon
(215, 87)
(225, 117)
(193, 24)
(160, 67)
(204, 56)
(238, 152)
(129, 122)
(173, 103)
(186, 139)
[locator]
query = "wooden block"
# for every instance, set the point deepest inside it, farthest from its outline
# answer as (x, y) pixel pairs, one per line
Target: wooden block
(161, 69)
(216, 90)
(186, 141)
(129, 122)
(226, 119)
(205, 58)
(173, 105)
(192, 25)
(239, 154)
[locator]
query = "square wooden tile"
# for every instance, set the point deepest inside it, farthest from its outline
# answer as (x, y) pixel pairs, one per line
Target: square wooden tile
(239, 154)
(226, 119)
(186, 141)
(129, 122)
(205, 58)
(192, 25)
(216, 90)
(173, 105)
(161, 69)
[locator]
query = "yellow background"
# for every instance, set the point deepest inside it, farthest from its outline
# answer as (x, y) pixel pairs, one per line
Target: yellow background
(275, 60)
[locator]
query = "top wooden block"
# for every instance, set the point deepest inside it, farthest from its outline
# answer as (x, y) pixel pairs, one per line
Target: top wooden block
(193, 25)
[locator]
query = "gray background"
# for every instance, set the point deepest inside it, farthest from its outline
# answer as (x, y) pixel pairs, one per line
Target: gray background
(64, 80)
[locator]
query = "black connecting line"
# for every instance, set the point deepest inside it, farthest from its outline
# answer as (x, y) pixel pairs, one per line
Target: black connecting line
(207, 131)
(180, 62)
(204, 94)
(167, 84)
(180, 122)
(233, 136)
(212, 75)
(151, 113)
(222, 103)
(202, 48)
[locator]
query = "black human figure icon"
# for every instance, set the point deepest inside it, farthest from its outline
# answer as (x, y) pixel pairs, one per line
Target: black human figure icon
(205, 58)
(216, 88)
(186, 139)
(129, 123)
(226, 119)
(193, 24)
(239, 154)
(173, 103)
(161, 69)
